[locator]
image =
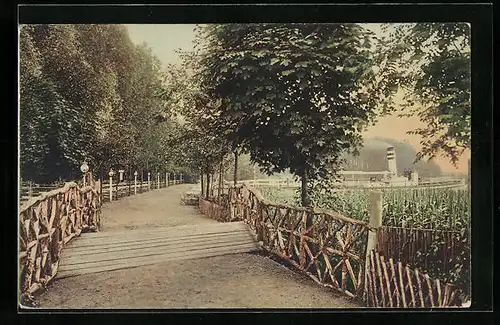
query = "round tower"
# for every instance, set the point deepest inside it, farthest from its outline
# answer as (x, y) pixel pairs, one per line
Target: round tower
(391, 161)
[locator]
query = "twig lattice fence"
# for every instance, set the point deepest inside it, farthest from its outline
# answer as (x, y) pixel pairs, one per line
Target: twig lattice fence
(390, 284)
(326, 246)
(420, 246)
(331, 249)
(46, 224)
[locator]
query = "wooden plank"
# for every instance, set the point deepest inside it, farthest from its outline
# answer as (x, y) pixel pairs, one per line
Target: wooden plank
(438, 287)
(387, 282)
(381, 281)
(419, 285)
(430, 291)
(410, 284)
(395, 282)
(187, 229)
(373, 277)
(78, 247)
(158, 259)
(137, 250)
(403, 296)
(371, 292)
(84, 240)
(114, 256)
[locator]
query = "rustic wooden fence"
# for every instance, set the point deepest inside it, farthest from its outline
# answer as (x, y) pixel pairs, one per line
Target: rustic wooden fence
(124, 188)
(424, 247)
(325, 245)
(46, 224)
(29, 190)
(287, 183)
(395, 285)
(332, 249)
(214, 210)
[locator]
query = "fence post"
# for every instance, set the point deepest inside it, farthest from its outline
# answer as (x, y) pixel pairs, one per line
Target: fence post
(111, 173)
(135, 182)
(374, 224)
(149, 181)
(158, 181)
(173, 176)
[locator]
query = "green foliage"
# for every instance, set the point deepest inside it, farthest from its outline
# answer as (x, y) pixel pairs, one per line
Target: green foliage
(440, 209)
(295, 96)
(426, 208)
(246, 169)
(431, 62)
(88, 93)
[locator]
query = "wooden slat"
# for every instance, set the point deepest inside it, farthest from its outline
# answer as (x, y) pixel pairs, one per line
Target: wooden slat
(430, 291)
(419, 285)
(381, 282)
(438, 287)
(403, 296)
(84, 243)
(89, 248)
(152, 249)
(142, 261)
(410, 284)
(373, 278)
(395, 282)
(387, 282)
(187, 229)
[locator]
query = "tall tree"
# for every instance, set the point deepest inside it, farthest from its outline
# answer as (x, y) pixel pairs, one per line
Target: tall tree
(294, 95)
(87, 92)
(430, 62)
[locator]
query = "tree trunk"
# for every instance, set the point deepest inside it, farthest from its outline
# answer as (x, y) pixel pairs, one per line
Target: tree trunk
(305, 200)
(235, 175)
(213, 178)
(101, 180)
(202, 187)
(208, 185)
(221, 182)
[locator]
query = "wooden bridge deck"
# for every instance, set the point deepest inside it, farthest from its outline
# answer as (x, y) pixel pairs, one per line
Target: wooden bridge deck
(113, 250)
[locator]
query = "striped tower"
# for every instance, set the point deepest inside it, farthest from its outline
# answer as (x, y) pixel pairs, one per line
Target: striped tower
(391, 161)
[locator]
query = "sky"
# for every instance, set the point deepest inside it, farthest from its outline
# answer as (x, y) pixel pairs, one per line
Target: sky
(165, 39)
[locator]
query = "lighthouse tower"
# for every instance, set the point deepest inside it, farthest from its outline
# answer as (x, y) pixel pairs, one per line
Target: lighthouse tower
(391, 161)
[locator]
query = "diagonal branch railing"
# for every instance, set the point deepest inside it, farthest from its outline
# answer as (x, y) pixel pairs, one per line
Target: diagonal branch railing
(335, 251)
(46, 224)
(328, 247)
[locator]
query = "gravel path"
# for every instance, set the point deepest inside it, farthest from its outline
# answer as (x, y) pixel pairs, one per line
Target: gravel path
(151, 209)
(230, 281)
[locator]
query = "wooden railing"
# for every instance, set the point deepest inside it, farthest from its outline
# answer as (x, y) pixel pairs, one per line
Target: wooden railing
(46, 224)
(29, 190)
(331, 249)
(421, 247)
(393, 284)
(327, 246)
(353, 184)
(128, 188)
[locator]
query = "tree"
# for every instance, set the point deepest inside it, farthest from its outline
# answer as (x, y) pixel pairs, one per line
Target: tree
(87, 92)
(430, 62)
(294, 96)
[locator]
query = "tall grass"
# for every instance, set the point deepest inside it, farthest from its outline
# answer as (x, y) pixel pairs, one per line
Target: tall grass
(422, 208)
(425, 208)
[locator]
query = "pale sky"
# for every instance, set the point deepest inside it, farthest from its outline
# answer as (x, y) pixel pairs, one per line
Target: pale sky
(165, 39)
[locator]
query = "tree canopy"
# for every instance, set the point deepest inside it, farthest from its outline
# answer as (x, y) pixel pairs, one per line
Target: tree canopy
(295, 96)
(88, 93)
(430, 62)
